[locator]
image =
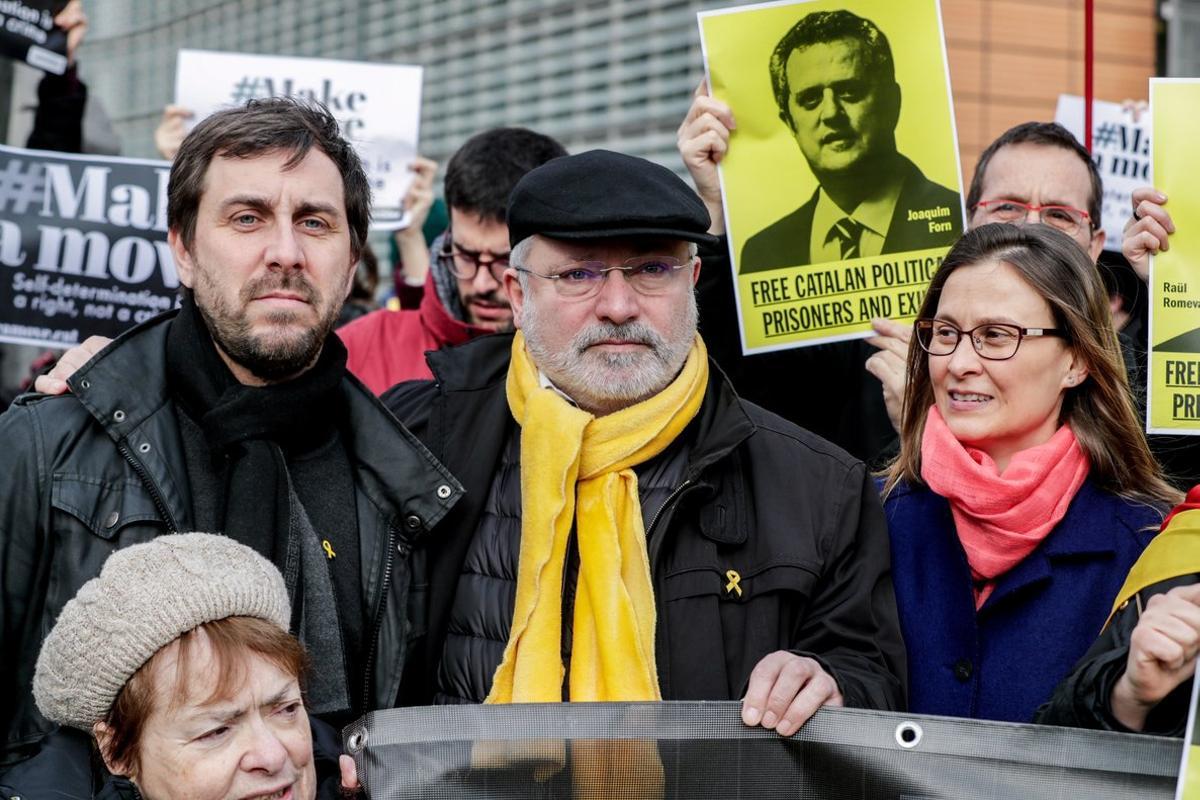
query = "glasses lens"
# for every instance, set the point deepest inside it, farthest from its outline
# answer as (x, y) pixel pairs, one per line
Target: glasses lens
(1062, 217)
(996, 342)
(652, 275)
(936, 337)
(1006, 210)
(579, 281)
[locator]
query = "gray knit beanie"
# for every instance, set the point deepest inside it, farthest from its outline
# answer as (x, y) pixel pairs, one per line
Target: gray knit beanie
(145, 597)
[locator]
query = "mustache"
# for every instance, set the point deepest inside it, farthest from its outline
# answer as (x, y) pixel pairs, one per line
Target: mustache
(280, 282)
(494, 296)
(626, 332)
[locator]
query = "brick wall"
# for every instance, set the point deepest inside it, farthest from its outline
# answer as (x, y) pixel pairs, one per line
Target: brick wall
(1010, 60)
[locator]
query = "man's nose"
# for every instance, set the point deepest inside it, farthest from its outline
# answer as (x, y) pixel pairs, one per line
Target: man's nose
(830, 107)
(284, 249)
(484, 281)
(617, 301)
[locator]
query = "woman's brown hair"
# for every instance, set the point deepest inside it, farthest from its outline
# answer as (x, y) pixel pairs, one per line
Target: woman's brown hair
(1100, 409)
(230, 641)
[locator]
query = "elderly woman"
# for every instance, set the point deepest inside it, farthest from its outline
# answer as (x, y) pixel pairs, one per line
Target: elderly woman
(177, 661)
(1024, 490)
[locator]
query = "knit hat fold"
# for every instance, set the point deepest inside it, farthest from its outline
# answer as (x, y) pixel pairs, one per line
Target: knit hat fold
(144, 598)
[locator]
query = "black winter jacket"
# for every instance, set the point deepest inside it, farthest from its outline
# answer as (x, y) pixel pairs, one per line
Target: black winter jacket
(796, 517)
(1084, 698)
(103, 468)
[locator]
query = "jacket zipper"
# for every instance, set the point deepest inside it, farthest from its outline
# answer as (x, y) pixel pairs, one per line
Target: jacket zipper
(671, 498)
(159, 504)
(394, 547)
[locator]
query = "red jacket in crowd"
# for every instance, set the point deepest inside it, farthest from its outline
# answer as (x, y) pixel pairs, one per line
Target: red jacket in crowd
(388, 347)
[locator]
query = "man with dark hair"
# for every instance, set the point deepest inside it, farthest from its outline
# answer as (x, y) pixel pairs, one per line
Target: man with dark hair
(834, 82)
(464, 296)
(233, 414)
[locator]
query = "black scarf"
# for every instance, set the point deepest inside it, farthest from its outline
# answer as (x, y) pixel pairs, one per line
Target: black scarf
(249, 428)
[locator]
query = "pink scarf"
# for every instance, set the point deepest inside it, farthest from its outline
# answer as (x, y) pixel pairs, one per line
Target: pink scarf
(1001, 518)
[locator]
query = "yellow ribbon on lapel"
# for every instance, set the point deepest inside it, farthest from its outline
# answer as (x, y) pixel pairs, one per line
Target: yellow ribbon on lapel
(577, 468)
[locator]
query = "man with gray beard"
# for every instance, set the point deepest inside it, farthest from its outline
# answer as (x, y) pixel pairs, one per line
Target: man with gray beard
(631, 529)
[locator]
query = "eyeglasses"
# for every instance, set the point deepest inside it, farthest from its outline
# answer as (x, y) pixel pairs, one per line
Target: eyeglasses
(1067, 219)
(995, 341)
(647, 275)
(465, 264)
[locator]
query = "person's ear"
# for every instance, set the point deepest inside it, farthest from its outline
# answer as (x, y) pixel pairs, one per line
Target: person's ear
(104, 744)
(1096, 245)
(185, 267)
(516, 294)
(1077, 372)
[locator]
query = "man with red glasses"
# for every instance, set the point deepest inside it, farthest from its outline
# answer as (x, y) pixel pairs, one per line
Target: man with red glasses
(464, 294)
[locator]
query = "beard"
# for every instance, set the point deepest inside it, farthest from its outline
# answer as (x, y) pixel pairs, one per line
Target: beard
(603, 382)
(287, 347)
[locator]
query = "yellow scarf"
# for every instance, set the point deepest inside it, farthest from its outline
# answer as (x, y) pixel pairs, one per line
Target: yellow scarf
(1175, 551)
(578, 468)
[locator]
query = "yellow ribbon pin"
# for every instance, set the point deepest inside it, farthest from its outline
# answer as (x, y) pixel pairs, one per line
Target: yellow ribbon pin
(734, 580)
(328, 549)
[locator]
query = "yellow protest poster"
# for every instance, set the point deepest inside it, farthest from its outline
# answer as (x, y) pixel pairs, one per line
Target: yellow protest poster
(1173, 380)
(842, 185)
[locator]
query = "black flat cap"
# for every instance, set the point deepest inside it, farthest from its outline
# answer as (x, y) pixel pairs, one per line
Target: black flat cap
(601, 194)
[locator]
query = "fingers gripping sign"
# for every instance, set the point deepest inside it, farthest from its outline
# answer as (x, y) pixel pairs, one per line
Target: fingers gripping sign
(890, 364)
(1162, 654)
(785, 690)
(1148, 230)
(703, 141)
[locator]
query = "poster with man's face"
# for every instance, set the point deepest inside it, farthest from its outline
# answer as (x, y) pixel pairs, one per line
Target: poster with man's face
(842, 183)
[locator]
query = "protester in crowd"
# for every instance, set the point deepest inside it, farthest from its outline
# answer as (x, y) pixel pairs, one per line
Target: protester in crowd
(1038, 171)
(599, 448)
(234, 413)
(1024, 489)
(176, 666)
(1137, 676)
(1035, 171)
(464, 294)
(58, 118)
(848, 409)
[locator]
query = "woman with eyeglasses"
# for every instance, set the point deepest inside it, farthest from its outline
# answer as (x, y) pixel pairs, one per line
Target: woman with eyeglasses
(1024, 489)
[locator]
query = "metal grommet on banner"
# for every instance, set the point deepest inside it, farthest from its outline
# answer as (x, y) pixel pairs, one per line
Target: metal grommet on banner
(356, 741)
(908, 735)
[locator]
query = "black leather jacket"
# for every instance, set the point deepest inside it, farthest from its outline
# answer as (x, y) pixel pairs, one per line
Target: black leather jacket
(103, 468)
(797, 518)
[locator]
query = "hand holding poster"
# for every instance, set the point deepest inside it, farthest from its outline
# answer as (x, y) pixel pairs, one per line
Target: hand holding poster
(1121, 151)
(841, 186)
(27, 33)
(83, 246)
(377, 105)
(1173, 380)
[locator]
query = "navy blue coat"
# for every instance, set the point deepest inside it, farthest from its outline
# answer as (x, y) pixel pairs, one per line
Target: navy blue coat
(1004, 661)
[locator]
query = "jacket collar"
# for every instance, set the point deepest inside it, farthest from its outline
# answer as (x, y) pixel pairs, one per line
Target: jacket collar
(445, 328)
(398, 473)
(718, 429)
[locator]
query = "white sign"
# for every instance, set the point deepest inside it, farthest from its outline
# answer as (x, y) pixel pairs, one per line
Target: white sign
(1121, 150)
(377, 105)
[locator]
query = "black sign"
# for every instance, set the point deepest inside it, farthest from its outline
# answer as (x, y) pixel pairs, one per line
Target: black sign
(83, 245)
(27, 33)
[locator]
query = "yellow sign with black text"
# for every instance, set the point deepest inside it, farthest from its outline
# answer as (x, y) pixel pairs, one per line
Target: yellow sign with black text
(1173, 381)
(842, 186)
